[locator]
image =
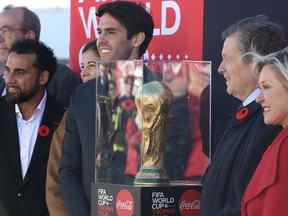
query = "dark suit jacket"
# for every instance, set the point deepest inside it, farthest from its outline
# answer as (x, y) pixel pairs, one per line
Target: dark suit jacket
(234, 162)
(2, 85)
(77, 166)
(78, 152)
(63, 84)
(18, 196)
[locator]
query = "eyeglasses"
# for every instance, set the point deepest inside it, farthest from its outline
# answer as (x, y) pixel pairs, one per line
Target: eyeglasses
(7, 30)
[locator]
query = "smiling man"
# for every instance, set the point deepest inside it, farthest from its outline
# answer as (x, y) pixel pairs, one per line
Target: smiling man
(121, 36)
(125, 30)
(246, 138)
(108, 45)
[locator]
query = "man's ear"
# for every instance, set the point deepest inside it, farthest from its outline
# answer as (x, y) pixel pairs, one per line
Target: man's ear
(44, 77)
(138, 39)
(30, 35)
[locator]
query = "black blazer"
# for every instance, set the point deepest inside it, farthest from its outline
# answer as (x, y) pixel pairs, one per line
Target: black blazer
(78, 151)
(234, 162)
(2, 85)
(63, 84)
(18, 196)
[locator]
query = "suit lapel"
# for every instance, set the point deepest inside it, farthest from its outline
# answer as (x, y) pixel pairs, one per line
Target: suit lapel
(10, 132)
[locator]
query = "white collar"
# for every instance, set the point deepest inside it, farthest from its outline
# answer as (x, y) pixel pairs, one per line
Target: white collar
(252, 97)
(40, 108)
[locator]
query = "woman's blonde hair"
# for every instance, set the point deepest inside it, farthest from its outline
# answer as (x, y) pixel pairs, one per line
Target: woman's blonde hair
(278, 60)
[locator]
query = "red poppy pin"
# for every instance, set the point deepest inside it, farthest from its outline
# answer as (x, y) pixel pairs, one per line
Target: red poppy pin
(43, 131)
(128, 105)
(242, 114)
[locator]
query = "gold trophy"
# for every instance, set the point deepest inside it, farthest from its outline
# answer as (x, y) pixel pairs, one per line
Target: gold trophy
(152, 113)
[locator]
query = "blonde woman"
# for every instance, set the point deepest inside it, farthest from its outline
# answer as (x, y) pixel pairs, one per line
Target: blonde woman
(267, 191)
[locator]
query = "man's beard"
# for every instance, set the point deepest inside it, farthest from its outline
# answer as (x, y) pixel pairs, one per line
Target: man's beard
(22, 96)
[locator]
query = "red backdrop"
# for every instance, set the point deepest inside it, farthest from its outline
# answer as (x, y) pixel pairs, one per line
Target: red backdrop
(178, 32)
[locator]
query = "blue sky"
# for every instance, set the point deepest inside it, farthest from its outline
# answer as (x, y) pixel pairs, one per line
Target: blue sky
(54, 22)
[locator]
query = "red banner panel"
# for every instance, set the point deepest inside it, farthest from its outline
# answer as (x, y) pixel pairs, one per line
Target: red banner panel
(178, 32)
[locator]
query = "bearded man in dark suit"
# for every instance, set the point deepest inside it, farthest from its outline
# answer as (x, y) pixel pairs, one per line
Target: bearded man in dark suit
(29, 117)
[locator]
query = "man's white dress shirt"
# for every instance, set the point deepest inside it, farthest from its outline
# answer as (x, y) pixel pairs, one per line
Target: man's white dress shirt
(28, 132)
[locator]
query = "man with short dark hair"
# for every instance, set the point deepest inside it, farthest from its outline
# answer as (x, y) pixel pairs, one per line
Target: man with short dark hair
(18, 23)
(135, 24)
(246, 138)
(77, 167)
(28, 119)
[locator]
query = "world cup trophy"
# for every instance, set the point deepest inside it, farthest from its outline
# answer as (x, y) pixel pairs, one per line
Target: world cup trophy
(152, 114)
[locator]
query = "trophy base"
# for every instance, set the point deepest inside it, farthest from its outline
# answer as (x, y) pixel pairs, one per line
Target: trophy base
(151, 176)
(178, 198)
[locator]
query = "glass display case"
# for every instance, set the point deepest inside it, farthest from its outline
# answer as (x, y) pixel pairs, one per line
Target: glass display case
(183, 145)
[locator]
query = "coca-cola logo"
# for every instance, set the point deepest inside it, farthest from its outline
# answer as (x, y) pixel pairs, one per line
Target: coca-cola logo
(124, 203)
(189, 203)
